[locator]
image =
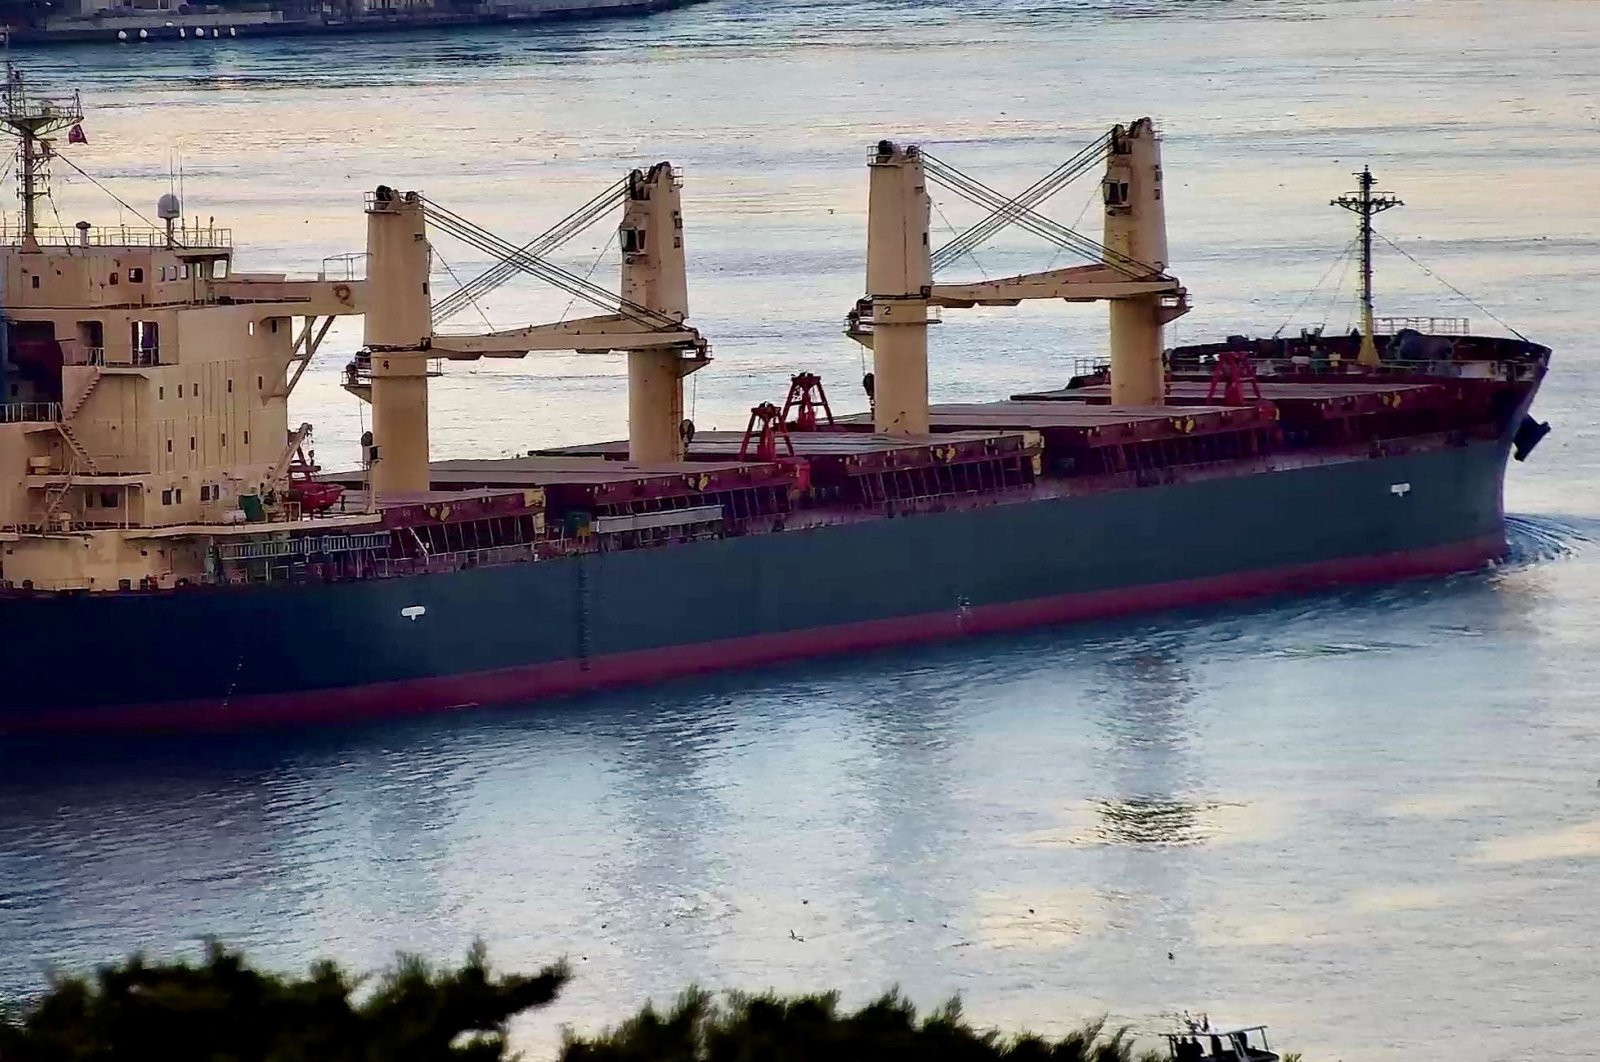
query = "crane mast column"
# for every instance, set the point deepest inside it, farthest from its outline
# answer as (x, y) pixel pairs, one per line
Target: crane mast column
(398, 325)
(1136, 227)
(899, 279)
(654, 276)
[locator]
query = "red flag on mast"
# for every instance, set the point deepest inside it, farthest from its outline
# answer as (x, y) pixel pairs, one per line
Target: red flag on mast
(75, 135)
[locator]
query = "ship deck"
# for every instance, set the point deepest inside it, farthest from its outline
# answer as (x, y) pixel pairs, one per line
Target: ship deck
(452, 479)
(1192, 392)
(708, 445)
(1083, 424)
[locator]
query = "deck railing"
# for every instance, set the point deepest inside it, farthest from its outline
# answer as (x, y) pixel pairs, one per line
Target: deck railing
(1433, 326)
(75, 353)
(29, 412)
(450, 562)
(195, 236)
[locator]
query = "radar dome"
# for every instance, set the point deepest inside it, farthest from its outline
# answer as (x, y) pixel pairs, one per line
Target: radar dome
(167, 208)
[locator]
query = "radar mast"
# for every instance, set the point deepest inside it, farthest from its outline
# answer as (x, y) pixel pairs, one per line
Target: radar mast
(32, 118)
(1365, 203)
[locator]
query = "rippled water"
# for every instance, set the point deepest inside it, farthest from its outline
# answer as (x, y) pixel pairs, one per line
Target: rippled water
(1369, 819)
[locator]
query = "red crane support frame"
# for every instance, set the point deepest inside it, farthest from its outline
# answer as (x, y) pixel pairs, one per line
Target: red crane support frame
(1233, 370)
(764, 429)
(806, 396)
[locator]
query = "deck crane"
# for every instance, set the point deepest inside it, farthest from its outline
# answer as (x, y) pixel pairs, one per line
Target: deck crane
(1128, 270)
(647, 319)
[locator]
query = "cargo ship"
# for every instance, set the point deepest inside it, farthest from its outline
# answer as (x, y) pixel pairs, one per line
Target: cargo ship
(208, 25)
(172, 556)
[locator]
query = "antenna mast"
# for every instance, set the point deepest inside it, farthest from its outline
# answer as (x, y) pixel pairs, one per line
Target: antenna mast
(31, 119)
(1365, 203)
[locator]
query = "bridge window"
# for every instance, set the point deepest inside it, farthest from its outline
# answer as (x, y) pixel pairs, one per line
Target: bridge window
(183, 271)
(135, 275)
(108, 499)
(113, 280)
(166, 496)
(35, 281)
(247, 438)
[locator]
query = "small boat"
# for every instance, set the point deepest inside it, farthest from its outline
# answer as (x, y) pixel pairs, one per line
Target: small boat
(1200, 1040)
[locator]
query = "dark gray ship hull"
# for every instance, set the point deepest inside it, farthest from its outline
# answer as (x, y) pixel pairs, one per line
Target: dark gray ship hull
(226, 656)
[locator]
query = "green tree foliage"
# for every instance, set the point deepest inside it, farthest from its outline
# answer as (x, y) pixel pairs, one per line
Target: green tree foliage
(222, 1010)
(770, 1028)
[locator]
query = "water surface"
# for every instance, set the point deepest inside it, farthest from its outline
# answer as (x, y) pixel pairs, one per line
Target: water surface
(1370, 819)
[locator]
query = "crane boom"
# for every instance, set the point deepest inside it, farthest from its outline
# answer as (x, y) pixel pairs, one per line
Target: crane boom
(588, 334)
(1127, 269)
(647, 320)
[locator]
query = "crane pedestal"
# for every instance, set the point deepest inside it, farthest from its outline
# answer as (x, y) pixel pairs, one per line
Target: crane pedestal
(400, 422)
(900, 366)
(1137, 375)
(655, 404)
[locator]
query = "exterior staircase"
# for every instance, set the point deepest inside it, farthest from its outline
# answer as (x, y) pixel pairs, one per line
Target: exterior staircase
(53, 498)
(71, 410)
(84, 462)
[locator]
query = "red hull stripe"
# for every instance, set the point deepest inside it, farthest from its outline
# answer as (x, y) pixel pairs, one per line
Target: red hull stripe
(533, 681)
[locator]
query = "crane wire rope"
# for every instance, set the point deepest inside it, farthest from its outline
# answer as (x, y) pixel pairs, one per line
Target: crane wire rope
(554, 237)
(476, 236)
(1094, 193)
(501, 272)
(956, 236)
(1034, 194)
(975, 191)
(433, 248)
(590, 274)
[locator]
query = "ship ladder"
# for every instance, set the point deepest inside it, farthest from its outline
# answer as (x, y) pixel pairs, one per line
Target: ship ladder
(585, 648)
